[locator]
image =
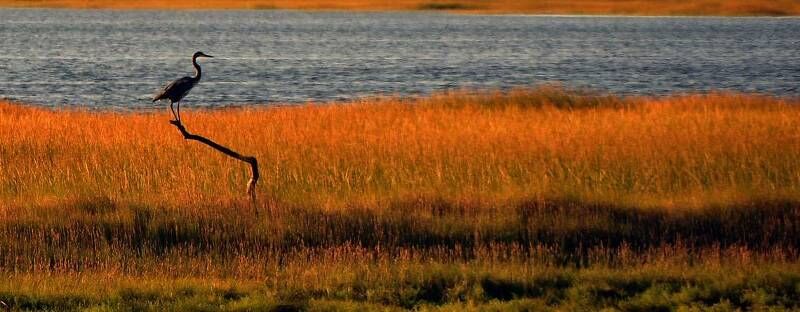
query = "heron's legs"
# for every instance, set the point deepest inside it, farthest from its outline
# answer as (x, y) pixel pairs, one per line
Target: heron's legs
(173, 110)
(179, 111)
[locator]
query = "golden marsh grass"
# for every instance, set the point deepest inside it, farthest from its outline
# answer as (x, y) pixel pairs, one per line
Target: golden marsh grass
(523, 199)
(488, 147)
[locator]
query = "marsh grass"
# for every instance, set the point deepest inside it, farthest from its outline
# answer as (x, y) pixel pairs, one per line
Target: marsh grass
(530, 198)
(423, 286)
(483, 149)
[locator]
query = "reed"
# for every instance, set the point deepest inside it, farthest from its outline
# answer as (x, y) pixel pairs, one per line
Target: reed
(535, 198)
(460, 147)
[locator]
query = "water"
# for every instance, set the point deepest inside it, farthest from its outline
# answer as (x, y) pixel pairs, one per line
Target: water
(118, 59)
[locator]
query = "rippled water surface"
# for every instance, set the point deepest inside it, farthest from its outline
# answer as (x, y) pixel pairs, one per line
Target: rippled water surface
(118, 59)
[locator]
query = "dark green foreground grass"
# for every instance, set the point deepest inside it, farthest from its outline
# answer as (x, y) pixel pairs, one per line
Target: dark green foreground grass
(423, 254)
(446, 288)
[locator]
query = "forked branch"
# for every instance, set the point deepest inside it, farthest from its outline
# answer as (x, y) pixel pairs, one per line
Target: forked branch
(251, 185)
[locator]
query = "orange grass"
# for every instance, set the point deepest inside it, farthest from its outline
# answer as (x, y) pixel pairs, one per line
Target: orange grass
(680, 150)
(623, 7)
(526, 199)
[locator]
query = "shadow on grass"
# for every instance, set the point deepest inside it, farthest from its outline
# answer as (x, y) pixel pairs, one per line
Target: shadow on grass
(561, 232)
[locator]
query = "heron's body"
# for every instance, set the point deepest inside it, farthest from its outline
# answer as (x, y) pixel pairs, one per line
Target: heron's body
(176, 90)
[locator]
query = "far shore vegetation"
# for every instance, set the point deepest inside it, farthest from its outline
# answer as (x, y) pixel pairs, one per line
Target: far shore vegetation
(530, 199)
(588, 7)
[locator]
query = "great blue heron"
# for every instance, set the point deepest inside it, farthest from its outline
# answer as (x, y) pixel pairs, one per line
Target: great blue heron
(176, 90)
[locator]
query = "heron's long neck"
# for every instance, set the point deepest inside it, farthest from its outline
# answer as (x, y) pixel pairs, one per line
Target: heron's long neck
(197, 71)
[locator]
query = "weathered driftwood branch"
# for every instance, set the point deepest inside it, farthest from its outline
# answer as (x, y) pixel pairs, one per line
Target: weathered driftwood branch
(251, 185)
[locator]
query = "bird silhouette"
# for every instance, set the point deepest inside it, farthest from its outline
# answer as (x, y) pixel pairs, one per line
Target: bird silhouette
(176, 90)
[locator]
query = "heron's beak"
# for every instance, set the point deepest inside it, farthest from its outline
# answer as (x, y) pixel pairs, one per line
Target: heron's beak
(206, 55)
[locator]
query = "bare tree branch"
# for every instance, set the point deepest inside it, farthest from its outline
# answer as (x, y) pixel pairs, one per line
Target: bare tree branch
(251, 185)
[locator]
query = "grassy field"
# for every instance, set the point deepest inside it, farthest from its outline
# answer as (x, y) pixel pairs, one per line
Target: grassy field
(619, 7)
(525, 199)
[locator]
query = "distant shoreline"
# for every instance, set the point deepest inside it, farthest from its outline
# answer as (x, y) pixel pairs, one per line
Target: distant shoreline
(552, 7)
